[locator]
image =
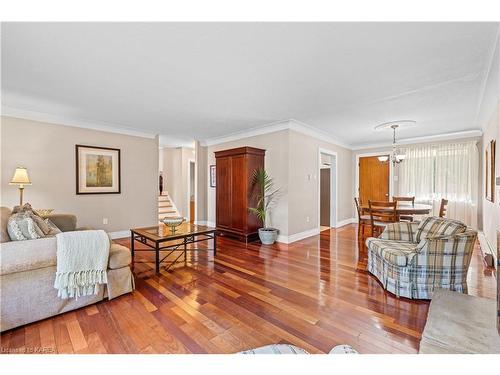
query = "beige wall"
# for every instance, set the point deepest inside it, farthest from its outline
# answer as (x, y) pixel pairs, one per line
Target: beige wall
(491, 210)
(290, 158)
(202, 182)
(489, 120)
(48, 151)
(176, 175)
(304, 192)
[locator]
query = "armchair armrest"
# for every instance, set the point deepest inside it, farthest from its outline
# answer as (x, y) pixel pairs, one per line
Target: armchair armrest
(402, 231)
(65, 222)
(461, 243)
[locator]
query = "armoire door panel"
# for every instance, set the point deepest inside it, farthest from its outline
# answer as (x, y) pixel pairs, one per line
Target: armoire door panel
(239, 207)
(223, 192)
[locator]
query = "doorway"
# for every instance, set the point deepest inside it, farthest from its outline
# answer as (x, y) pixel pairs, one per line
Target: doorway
(373, 178)
(192, 187)
(324, 198)
(327, 190)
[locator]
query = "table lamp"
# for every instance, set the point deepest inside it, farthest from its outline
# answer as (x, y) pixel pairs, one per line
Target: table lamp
(20, 178)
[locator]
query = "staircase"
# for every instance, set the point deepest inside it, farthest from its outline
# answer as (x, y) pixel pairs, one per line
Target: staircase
(166, 208)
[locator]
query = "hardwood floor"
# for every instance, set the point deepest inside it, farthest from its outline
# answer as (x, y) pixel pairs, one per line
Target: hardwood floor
(314, 293)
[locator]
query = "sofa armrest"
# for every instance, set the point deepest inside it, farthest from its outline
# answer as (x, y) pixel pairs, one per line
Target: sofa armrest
(119, 256)
(21, 256)
(401, 231)
(65, 222)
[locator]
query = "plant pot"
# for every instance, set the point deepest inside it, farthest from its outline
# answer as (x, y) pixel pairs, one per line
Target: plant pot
(268, 236)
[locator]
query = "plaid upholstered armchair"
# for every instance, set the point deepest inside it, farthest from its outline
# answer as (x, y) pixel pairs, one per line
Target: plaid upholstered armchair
(413, 259)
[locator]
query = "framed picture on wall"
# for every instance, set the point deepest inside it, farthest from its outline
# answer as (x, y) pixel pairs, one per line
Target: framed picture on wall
(97, 170)
(490, 171)
(212, 176)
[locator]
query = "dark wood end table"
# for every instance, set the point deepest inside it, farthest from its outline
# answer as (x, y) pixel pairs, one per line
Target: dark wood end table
(161, 238)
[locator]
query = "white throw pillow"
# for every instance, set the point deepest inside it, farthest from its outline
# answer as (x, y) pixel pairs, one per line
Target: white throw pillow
(22, 227)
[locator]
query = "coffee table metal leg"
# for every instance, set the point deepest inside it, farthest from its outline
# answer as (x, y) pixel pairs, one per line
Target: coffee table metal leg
(185, 251)
(157, 251)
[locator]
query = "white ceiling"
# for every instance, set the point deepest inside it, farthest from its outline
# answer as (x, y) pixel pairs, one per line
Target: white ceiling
(204, 80)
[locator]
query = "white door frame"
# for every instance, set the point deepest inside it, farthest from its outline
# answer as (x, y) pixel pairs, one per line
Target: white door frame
(190, 160)
(391, 171)
(333, 187)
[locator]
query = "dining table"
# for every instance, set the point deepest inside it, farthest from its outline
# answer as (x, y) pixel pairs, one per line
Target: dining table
(405, 209)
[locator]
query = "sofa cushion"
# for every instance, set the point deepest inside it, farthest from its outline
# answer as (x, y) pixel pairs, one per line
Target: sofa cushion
(20, 256)
(4, 218)
(119, 256)
(437, 226)
(399, 253)
(65, 222)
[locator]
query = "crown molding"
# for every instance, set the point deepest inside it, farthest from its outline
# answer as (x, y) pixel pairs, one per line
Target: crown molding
(311, 131)
(424, 139)
(74, 122)
(271, 127)
(290, 124)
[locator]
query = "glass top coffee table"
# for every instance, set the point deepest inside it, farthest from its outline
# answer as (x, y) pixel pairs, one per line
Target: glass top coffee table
(160, 238)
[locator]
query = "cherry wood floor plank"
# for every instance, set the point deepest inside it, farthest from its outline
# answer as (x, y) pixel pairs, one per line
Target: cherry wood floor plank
(315, 293)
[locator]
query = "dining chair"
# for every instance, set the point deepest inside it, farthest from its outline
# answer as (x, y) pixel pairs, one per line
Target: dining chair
(363, 220)
(442, 207)
(381, 214)
(405, 199)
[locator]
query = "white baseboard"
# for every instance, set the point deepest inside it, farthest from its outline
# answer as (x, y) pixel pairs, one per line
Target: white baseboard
(205, 222)
(346, 222)
(119, 234)
(297, 236)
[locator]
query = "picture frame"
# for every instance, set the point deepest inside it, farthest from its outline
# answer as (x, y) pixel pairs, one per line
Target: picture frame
(98, 170)
(490, 155)
(213, 176)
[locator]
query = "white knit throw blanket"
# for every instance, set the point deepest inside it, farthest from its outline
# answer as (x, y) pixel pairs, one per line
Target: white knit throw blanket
(82, 260)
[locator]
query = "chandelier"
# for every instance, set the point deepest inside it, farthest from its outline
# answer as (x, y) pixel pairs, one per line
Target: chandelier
(396, 155)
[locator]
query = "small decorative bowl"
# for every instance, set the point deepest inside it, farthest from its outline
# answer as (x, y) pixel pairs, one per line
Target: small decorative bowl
(173, 222)
(44, 211)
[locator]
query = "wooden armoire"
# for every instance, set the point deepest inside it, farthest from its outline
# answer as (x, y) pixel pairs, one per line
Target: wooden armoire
(235, 192)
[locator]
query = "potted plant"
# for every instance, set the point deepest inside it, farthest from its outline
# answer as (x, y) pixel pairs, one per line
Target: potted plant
(266, 196)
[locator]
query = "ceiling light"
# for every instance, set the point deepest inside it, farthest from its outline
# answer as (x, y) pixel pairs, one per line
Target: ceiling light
(396, 155)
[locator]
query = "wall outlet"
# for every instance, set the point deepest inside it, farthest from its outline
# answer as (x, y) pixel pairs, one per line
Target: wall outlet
(105, 220)
(307, 219)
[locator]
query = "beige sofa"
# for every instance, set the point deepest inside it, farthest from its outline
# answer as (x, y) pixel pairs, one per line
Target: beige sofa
(27, 273)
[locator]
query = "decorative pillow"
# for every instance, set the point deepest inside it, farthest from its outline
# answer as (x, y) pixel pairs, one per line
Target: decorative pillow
(25, 207)
(22, 227)
(437, 226)
(53, 229)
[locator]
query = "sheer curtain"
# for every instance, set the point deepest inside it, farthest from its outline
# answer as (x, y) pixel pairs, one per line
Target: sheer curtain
(449, 171)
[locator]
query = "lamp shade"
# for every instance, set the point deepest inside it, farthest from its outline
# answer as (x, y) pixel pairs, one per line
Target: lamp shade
(20, 177)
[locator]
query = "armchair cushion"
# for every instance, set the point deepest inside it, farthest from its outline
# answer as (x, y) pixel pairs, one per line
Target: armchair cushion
(399, 253)
(402, 231)
(437, 226)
